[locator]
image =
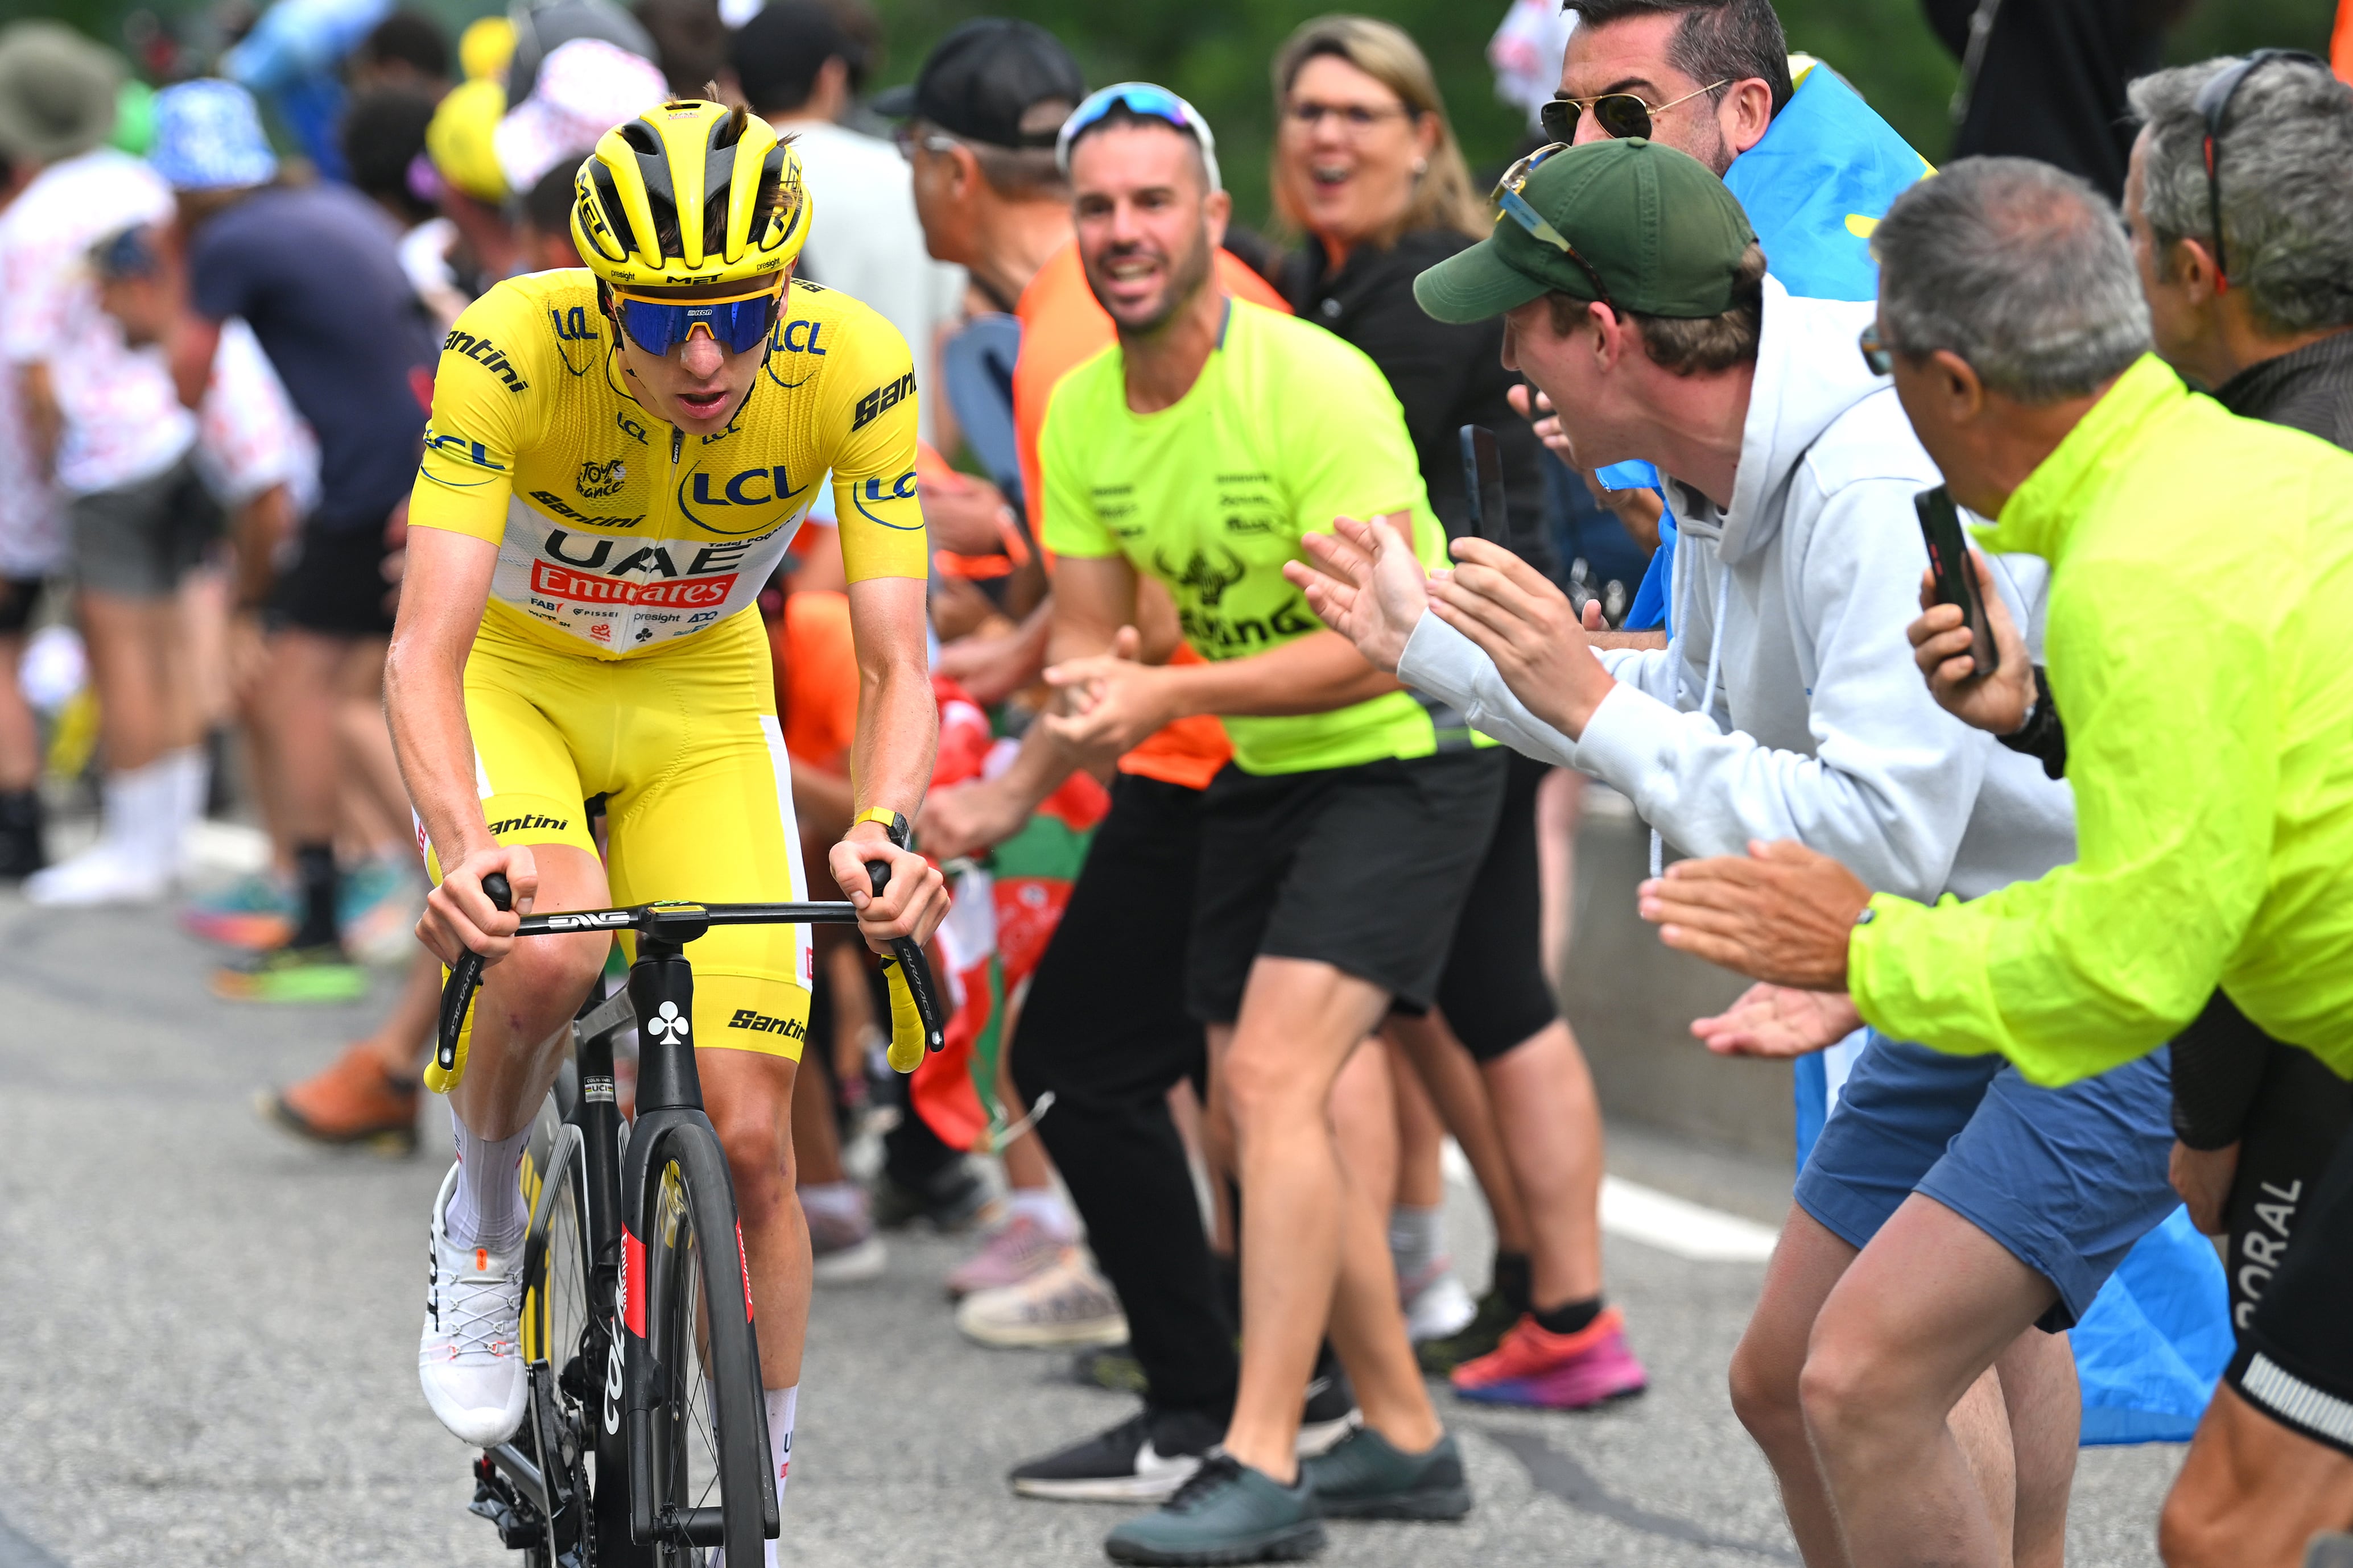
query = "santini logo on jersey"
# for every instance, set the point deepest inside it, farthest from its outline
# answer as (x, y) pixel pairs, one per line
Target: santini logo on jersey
(563, 509)
(486, 353)
(530, 820)
(881, 400)
(760, 1024)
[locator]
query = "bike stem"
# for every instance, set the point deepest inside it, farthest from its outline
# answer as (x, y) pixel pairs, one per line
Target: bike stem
(661, 986)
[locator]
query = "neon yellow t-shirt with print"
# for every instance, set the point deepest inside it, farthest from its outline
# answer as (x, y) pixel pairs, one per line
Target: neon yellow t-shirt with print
(1287, 428)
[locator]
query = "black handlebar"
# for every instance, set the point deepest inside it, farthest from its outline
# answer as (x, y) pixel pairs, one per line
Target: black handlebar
(682, 924)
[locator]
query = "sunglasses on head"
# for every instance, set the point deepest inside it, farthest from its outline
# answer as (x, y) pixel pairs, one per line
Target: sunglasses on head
(2213, 103)
(1140, 98)
(1620, 114)
(739, 324)
(1506, 198)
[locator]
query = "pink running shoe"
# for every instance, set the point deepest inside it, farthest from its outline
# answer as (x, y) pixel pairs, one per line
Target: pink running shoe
(1546, 1371)
(1013, 1252)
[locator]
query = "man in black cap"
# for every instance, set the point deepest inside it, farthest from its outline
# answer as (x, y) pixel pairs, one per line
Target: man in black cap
(981, 119)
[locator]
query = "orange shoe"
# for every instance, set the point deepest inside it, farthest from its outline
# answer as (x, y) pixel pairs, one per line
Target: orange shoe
(1545, 1371)
(353, 1100)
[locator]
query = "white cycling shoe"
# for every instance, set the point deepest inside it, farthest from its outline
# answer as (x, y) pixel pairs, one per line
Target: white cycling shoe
(469, 1357)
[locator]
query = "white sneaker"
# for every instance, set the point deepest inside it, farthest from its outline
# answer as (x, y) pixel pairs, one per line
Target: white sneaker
(1068, 1306)
(1436, 1305)
(105, 873)
(468, 1357)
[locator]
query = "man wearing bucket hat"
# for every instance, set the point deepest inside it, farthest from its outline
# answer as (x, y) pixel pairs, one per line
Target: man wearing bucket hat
(108, 428)
(315, 271)
(1953, 1218)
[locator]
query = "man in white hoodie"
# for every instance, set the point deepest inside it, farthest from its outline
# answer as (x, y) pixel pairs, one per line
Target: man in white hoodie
(1905, 1372)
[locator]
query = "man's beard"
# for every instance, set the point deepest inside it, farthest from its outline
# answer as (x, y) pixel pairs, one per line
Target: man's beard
(1187, 274)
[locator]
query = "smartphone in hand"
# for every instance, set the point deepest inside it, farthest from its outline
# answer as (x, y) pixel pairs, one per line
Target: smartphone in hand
(1949, 561)
(1482, 483)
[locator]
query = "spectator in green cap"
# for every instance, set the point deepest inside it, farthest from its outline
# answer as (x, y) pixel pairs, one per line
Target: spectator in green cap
(1953, 1217)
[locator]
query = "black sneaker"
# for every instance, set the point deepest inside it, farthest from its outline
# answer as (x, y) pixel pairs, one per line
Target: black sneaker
(1114, 1367)
(1481, 1334)
(1144, 1458)
(1227, 1512)
(1365, 1476)
(21, 854)
(951, 1199)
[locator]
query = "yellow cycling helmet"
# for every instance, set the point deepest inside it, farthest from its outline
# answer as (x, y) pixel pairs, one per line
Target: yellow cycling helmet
(697, 172)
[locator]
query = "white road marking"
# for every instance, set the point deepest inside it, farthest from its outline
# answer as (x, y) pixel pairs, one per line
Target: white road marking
(1654, 1218)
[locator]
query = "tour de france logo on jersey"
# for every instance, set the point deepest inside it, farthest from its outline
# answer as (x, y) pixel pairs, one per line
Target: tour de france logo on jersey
(598, 481)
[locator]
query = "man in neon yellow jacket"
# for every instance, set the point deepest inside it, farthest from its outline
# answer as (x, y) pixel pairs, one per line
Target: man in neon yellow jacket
(2202, 592)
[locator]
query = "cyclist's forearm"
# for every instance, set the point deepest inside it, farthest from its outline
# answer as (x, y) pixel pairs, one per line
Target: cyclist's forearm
(898, 735)
(1313, 674)
(425, 700)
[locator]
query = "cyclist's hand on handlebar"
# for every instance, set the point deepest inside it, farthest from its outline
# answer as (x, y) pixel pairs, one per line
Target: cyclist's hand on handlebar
(912, 904)
(460, 916)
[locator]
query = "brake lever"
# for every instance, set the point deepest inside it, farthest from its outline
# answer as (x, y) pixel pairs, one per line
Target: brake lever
(465, 979)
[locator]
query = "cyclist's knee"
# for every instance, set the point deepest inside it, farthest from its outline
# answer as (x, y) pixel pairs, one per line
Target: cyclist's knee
(542, 980)
(759, 1148)
(1764, 1385)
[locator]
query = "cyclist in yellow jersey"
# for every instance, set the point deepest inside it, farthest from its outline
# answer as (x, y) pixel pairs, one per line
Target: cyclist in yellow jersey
(618, 459)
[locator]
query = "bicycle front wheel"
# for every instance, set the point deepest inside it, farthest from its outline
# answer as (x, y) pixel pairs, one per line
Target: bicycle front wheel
(710, 1458)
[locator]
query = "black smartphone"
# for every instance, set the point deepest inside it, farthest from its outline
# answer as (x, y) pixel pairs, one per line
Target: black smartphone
(1483, 484)
(1948, 556)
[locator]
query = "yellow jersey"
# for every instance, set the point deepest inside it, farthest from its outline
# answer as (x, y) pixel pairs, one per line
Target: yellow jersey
(618, 533)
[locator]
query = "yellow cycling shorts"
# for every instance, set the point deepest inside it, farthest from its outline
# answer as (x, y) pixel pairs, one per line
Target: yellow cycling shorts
(682, 743)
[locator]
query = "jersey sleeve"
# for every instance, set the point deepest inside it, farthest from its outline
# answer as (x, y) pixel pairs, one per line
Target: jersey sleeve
(1349, 456)
(466, 474)
(1072, 526)
(874, 411)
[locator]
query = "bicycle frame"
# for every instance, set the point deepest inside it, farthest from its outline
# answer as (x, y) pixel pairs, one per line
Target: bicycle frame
(622, 1184)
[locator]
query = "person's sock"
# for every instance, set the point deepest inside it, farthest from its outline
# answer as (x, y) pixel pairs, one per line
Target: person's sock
(838, 1200)
(314, 882)
(1416, 1240)
(1569, 1317)
(486, 1209)
(1043, 1208)
(1513, 1280)
(781, 1403)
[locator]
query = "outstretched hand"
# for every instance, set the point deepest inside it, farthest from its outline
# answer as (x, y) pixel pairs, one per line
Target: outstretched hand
(1940, 647)
(1526, 626)
(1778, 1022)
(1366, 584)
(1781, 914)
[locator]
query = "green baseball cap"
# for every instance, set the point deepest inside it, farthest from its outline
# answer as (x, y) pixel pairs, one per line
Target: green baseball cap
(1658, 230)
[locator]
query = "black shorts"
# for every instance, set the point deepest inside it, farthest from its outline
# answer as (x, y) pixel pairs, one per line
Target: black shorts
(2301, 1112)
(19, 597)
(1364, 868)
(336, 585)
(1493, 992)
(2295, 1359)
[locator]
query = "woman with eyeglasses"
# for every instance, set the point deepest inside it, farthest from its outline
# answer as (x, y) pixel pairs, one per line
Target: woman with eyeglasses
(1366, 168)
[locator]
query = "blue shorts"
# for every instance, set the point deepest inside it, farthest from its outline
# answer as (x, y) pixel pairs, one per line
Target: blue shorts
(2066, 1179)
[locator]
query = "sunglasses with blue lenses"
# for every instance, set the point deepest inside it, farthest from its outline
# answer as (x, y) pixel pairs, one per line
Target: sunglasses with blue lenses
(738, 325)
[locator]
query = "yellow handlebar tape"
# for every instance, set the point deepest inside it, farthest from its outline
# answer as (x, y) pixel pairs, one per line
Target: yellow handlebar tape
(906, 1023)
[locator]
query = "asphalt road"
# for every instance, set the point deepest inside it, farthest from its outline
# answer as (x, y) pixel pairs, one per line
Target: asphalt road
(206, 1338)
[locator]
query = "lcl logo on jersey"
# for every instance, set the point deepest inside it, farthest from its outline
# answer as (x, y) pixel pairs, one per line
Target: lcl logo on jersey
(900, 489)
(744, 502)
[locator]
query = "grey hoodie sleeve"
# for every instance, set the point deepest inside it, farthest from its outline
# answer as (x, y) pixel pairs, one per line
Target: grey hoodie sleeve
(1892, 779)
(1440, 662)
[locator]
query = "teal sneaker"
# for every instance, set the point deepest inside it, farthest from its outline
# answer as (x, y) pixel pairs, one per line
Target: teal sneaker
(1365, 1475)
(324, 973)
(1227, 1512)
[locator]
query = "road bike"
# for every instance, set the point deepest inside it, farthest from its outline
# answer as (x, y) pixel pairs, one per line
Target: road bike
(644, 1439)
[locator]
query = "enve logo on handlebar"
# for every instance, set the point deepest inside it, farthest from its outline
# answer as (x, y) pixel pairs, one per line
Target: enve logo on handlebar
(907, 970)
